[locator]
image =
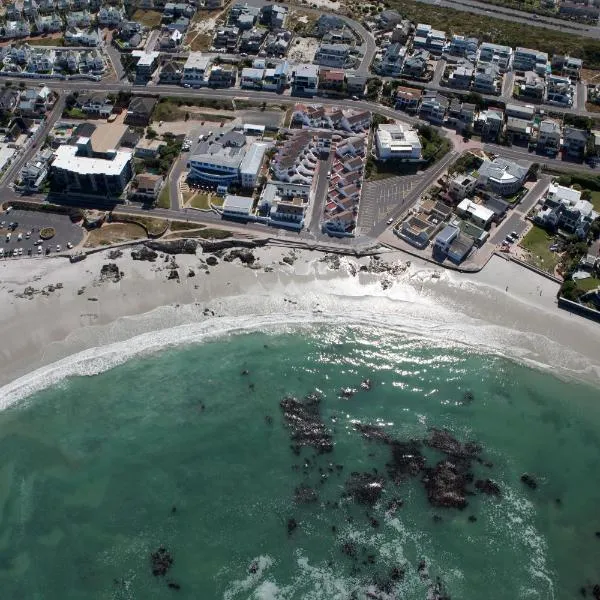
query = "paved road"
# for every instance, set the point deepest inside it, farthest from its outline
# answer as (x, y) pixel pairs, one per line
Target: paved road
(516, 16)
(115, 58)
(440, 67)
(314, 221)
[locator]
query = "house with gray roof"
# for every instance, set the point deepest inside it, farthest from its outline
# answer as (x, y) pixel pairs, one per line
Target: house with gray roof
(504, 177)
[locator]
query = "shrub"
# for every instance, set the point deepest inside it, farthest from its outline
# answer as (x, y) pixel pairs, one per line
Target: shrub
(47, 233)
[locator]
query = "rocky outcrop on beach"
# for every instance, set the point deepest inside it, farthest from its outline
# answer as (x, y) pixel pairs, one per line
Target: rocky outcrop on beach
(446, 485)
(244, 255)
(110, 272)
(303, 419)
(114, 254)
(213, 246)
(186, 246)
(212, 261)
(144, 253)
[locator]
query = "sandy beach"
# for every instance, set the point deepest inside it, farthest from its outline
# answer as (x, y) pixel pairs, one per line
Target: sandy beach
(144, 310)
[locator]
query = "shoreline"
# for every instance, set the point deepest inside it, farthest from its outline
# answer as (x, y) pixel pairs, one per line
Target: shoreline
(84, 312)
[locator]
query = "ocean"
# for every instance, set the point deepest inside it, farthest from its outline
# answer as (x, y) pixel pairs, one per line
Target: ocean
(308, 462)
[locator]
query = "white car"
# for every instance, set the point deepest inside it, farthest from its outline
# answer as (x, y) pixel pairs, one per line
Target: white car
(39, 249)
(19, 237)
(69, 245)
(8, 209)
(15, 253)
(58, 247)
(20, 251)
(1, 251)
(8, 236)
(390, 221)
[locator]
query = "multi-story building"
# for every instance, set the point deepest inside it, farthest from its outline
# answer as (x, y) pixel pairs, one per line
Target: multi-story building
(501, 56)
(574, 141)
(415, 66)
(486, 79)
(333, 55)
(252, 78)
(533, 87)
(392, 60)
(559, 90)
(433, 107)
(501, 176)
(305, 78)
(549, 136)
(407, 99)
(564, 208)
(397, 142)
(227, 37)
(110, 16)
(195, 70)
(463, 46)
(222, 76)
(461, 77)
(226, 160)
(78, 169)
(429, 39)
(567, 66)
(49, 23)
(526, 59)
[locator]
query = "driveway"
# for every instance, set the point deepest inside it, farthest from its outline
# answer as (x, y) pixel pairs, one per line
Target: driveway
(31, 220)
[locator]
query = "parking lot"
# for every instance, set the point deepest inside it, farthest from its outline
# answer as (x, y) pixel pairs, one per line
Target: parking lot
(32, 221)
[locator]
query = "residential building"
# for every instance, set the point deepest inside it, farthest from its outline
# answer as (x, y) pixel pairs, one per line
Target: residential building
(251, 40)
(332, 55)
(146, 187)
(463, 46)
(297, 158)
(460, 247)
(392, 60)
(252, 78)
(520, 111)
(180, 24)
(340, 36)
(526, 59)
(148, 148)
(397, 142)
(79, 18)
(445, 238)
(559, 90)
(416, 65)
(147, 64)
(574, 141)
(429, 39)
(401, 32)
(276, 79)
(564, 208)
(139, 111)
(82, 37)
(501, 56)
(195, 70)
(476, 213)
(273, 16)
(237, 207)
(461, 186)
(567, 66)
(170, 40)
(14, 11)
(407, 99)
(227, 37)
(110, 16)
(16, 29)
(78, 169)
(504, 177)
(461, 77)
(226, 160)
(490, 123)
(433, 107)
(277, 43)
(305, 78)
(388, 19)
(171, 72)
(549, 136)
(285, 204)
(96, 104)
(580, 10)
(327, 23)
(49, 23)
(356, 83)
(222, 76)
(30, 9)
(332, 79)
(532, 87)
(487, 79)
(34, 173)
(519, 129)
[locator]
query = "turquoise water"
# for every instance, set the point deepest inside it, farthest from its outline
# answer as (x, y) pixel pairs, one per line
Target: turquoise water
(188, 448)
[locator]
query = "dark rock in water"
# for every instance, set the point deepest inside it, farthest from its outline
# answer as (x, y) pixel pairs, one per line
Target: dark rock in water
(445, 442)
(245, 372)
(253, 568)
(292, 524)
(422, 570)
(529, 481)
(173, 275)
(407, 460)
(305, 495)
(173, 585)
(394, 505)
(110, 272)
(397, 574)
(374, 433)
(437, 519)
(365, 488)
(269, 420)
(144, 253)
(468, 397)
(472, 518)
(246, 257)
(446, 485)
(596, 591)
(374, 522)
(349, 549)
(212, 261)
(347, 392)
(597, 534)
(173, 509)
(487, 486)
(303, 418)
(161, 561)
(366, 384)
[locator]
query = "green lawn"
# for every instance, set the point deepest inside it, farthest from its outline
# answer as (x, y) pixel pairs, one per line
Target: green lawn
(74, 113)
(164, 199)
(588, 284)
(47, 41)
(537, 242)
(595, 200)
(201, 200)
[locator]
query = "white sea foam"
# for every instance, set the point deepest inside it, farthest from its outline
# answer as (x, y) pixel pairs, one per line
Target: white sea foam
(403, 310)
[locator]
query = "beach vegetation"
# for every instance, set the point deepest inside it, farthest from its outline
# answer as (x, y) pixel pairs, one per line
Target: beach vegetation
(184, 226)
(147, 18)
(435, 145)
(47, 233)
(466, 163)
(537, 242)
(114, 233)
(214, 234)
(164, 198)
